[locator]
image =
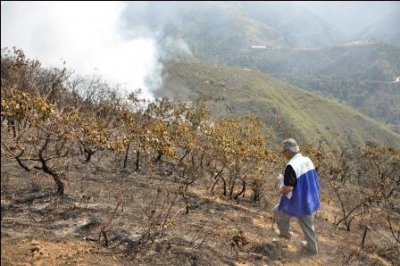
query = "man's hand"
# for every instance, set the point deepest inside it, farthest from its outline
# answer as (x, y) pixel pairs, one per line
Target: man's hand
(285, 190)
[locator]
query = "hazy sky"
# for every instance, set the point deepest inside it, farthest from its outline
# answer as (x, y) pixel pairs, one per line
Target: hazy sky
(91, 37)
(86, 35)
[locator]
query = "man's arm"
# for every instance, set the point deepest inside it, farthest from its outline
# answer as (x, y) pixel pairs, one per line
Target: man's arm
(289, 180)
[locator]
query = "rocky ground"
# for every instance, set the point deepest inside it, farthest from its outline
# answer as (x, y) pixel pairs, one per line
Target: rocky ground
(114, 216)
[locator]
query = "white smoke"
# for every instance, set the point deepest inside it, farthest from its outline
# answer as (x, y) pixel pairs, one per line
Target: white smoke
(87, 36)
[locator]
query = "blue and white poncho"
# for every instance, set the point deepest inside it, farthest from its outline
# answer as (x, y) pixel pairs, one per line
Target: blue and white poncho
(305, 195)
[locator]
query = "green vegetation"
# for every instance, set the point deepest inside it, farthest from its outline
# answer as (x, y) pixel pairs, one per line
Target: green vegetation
(289, 110)
(357, 73)
(47, 125)
(211, 136)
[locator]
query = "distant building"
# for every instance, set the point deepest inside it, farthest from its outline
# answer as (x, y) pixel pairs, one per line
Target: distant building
(258, 47)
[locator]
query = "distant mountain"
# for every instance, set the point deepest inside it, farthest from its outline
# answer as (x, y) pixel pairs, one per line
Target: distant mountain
(238, 91)
(340, 49)
(298, 25)
(383, 29)
(360, 19)
(359, 74)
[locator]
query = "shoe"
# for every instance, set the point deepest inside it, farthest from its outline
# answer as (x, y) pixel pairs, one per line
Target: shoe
(305, 246)
(288, 236)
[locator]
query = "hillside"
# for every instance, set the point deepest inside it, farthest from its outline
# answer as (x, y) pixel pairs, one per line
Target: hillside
(382, 28)
(352, 61)
(359, 74)
(236, 91)
(92, 176)
(369, 19)
(298, 25)
(90, 179)
(203, 228)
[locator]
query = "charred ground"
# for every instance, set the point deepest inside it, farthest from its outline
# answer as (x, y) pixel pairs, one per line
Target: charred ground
(147, 220)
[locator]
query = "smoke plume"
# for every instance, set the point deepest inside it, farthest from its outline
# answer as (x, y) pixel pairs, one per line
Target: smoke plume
(88, 37)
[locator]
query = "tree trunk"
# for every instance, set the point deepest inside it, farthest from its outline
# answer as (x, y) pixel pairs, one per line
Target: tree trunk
(60, 184)
(224, 182)
(216, 178)
(242, 191)
(56, 176)
(159, 155)
(137, 160)
(126, 155)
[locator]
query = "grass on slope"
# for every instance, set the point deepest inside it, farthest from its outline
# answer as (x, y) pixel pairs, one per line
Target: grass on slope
(238, 91)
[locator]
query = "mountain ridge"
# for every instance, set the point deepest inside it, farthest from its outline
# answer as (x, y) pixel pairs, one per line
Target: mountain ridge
(238, 91)
(223, 33)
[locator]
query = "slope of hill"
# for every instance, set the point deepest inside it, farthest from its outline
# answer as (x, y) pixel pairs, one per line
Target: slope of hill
(298, 25)
(236, 91)
(367, 19)
(383, 28)
(356, 73)
(166, 212)
(38, 228)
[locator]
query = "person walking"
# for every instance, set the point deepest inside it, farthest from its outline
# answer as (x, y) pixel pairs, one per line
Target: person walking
(299, 195)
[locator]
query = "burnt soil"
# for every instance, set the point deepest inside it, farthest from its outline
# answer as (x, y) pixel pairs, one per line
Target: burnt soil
(112, 215)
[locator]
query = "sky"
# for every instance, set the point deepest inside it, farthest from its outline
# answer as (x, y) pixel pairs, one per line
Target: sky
(87, 36)
(93, 38)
